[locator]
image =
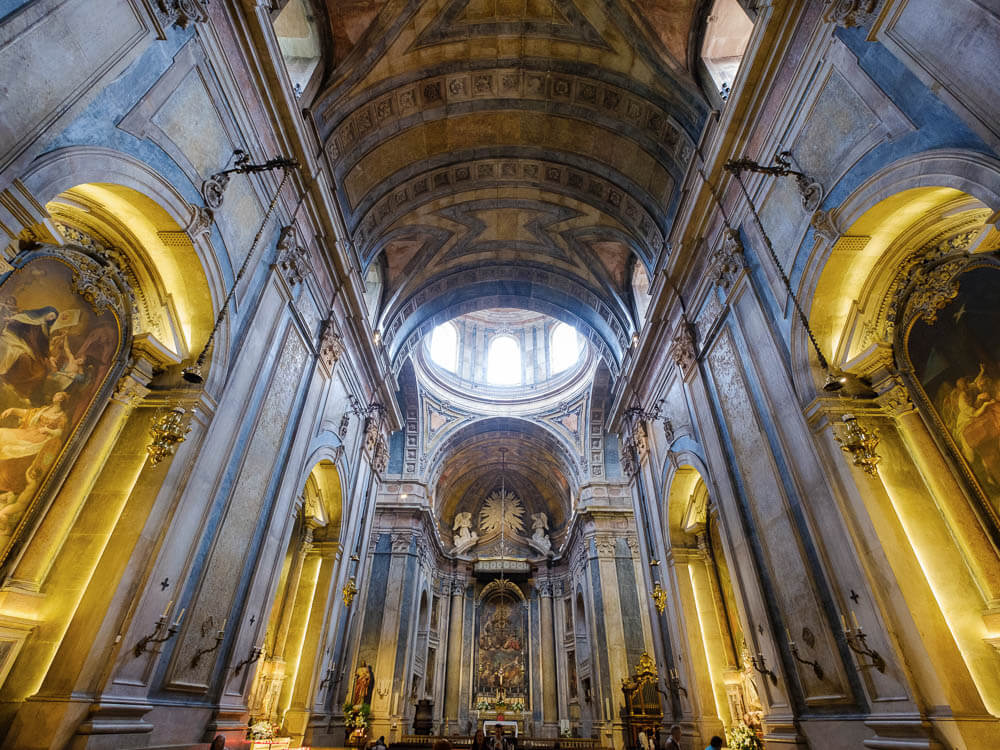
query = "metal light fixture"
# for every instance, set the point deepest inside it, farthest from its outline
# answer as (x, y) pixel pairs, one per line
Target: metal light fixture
(168, 431)
(860, 442)
(193, 373)
(812, 194)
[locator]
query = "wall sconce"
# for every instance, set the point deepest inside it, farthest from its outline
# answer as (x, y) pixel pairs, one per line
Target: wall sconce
(168, 431)
(384, 686)
(202, 651)
(817, 668)
(328, 678)
(860, 442)
(858, 642)
(255, 654)
(659, 597)
(674, 684)
(761, 666)
(350, 591)
(155, 637)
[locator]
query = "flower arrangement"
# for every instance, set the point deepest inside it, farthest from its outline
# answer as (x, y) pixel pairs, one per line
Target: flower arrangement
(742, 737)
(483, 705)
(262, 730)
(357, 717)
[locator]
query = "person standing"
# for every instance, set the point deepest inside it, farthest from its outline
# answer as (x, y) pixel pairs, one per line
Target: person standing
(714, 744)
(674, 740)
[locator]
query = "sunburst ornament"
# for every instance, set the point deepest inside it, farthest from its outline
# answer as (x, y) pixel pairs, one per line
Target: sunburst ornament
(501, 511)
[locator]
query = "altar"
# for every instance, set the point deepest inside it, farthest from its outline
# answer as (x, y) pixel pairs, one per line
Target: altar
(489, 726)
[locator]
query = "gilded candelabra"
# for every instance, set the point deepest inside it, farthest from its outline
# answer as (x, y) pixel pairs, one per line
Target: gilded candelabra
(168, 431)
(860, 442)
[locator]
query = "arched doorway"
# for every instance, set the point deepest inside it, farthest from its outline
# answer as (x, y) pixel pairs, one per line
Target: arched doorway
(722, 691)
(912, 311)
(286, 679)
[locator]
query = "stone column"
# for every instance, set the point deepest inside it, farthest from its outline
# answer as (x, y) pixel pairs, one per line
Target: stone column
(550, 705)
(454, 664)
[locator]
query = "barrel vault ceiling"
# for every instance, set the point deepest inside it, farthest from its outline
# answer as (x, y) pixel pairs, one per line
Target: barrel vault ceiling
(509, 153)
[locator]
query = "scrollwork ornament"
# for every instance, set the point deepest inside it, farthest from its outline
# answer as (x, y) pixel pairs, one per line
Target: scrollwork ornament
(851, 13)
(331, 349)
(822, 224)
(728, 260)
(213, 190)
(96, 284)
(895, 397)
(182, 13)
(683, 349)
(933, 289)
(293, 259)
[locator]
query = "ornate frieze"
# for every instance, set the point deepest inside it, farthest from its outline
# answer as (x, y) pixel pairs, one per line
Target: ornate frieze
(292, 259)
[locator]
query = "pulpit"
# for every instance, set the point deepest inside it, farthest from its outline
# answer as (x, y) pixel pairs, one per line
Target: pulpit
(643, 712)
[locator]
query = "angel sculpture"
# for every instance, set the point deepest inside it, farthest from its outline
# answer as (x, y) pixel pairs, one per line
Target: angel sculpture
(463, 536)
(539, 538)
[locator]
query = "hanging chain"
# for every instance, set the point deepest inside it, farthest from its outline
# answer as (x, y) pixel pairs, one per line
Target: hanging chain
(286, 172)
(781, 271)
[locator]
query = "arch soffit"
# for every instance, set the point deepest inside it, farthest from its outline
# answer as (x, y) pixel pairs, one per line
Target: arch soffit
(65, 169)
(680, 480)
(973, 173)
(324, 479)
(472, 430)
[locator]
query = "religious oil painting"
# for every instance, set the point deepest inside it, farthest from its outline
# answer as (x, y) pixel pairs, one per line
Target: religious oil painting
(502, 649)
(957, 362)
(55, 354)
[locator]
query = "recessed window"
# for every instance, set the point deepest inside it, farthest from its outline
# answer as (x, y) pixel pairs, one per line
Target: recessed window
(503, 364)
(373, 290)
(727, 34)
(298, 38)
(566, 346)
(444, 346)
(640, 290)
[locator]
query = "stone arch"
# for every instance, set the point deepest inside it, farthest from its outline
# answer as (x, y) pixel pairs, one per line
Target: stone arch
(115, 199)
(891, 201)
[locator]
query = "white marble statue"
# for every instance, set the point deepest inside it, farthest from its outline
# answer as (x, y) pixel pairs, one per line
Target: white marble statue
(462, 534)
(539, 538)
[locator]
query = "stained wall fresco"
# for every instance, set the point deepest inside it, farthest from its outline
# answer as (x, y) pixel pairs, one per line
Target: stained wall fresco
(56, 352)
(957, 362)
(502, 648)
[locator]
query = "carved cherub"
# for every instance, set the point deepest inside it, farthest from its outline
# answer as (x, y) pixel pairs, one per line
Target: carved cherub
(540, 539)
(463, 536)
